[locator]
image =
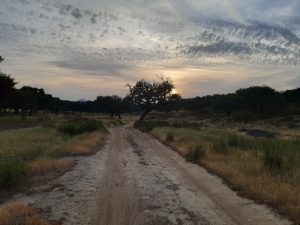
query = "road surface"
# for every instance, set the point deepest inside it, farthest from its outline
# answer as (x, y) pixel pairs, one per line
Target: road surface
(147, 183)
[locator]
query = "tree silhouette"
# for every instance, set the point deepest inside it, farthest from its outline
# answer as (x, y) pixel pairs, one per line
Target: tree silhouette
(150, 96)
(259, 98)
(7, 85)
(109, 104)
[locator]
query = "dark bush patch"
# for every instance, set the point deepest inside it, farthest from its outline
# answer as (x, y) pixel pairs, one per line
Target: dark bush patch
(195, 154)
(11, 169)
(169, 137)
(76, 127)
(273, 159)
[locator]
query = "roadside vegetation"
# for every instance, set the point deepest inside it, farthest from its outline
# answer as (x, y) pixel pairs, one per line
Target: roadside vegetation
(34, 155)
(264, 169)
(16, 213)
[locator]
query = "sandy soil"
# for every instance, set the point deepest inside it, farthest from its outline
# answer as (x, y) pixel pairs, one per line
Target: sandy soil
(136, 180)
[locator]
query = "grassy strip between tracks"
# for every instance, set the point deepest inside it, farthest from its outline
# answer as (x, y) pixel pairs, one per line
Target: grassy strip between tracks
(264, 169)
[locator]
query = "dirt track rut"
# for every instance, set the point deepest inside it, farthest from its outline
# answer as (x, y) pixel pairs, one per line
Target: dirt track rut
(136, 180)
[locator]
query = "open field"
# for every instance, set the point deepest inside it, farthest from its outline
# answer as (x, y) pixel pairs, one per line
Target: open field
(264, 169)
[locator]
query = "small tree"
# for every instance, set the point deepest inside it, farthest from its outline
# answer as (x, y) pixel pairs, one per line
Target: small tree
(150, 96)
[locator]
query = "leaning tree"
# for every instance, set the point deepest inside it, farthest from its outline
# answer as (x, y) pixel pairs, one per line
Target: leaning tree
(151, 96)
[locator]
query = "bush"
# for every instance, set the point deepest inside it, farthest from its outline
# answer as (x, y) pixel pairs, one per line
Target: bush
(195, 154)
(76, 127)
(169, 137)
(11, 170)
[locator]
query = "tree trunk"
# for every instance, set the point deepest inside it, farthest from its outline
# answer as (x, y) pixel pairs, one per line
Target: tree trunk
(145, 114)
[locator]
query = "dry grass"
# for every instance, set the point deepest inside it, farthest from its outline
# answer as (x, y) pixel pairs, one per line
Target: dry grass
(41, 167)
(244, 170)
(85, 145)
(20, 214)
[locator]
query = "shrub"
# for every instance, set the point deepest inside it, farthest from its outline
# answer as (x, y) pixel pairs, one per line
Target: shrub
(195, 154)
(11, 169)
(169, 137)
(79, 126)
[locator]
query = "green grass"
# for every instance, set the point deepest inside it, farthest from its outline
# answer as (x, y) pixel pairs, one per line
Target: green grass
(19, 148)
(17, 120)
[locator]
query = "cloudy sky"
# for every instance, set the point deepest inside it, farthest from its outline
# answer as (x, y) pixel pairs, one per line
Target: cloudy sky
(78, 49)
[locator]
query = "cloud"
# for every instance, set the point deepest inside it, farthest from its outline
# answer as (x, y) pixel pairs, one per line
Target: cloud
(76, 13)
(123, 39)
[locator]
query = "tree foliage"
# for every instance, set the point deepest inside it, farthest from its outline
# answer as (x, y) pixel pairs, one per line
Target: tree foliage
(150, 96)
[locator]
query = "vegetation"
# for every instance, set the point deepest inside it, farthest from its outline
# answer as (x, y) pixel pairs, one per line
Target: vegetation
(265, 169)
(248, 104)
(20, 214)
(195, 154)
(79, 126)
(151, 96)
(36, 151)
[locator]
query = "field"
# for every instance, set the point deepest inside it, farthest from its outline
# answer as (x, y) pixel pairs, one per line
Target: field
(264, 169)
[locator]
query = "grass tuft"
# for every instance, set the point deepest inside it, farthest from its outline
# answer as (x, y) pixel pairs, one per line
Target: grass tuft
(41, 167)
(220, 146)
(20, 214)
(195, 154)
(169, 137)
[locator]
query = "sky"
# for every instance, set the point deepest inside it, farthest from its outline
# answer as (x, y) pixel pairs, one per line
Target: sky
(78, 49)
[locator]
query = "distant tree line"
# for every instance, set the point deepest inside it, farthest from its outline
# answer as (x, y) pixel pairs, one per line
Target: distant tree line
(253, 102)
(257, 102)
(28, 100)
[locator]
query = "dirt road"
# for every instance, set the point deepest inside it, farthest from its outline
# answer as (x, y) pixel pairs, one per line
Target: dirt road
(147, 183)
(136, 180)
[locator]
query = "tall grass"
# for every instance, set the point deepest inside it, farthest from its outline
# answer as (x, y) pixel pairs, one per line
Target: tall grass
(79, 126)
(195, 154)
(33, 151)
